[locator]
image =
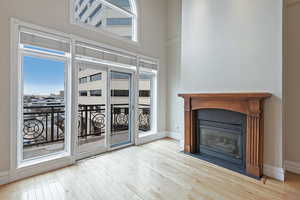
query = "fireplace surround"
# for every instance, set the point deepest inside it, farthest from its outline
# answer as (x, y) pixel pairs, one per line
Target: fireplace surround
(250, 105)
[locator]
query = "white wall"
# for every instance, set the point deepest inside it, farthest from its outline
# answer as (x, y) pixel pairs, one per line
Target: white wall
(232, 46)
(55, 14)
(174, 68)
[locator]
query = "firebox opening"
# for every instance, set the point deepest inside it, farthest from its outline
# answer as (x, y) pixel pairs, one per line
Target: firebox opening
(221, 138)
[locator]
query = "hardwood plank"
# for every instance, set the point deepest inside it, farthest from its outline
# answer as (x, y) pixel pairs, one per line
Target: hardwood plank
(152, 171)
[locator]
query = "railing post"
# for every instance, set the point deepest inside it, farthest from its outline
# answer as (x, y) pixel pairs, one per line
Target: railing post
(86, 120)
(52, 123)
(46, 129)
(111, 118)
(81, 121)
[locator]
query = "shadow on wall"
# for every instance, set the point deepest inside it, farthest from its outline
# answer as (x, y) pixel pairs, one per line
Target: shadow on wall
(273, 139)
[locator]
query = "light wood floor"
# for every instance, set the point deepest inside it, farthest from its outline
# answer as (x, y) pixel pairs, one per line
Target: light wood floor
(152, 171)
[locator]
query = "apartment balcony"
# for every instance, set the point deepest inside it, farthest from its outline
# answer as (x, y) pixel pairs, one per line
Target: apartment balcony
(44, 126)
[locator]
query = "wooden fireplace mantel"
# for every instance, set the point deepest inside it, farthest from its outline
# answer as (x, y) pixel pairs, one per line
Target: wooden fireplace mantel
(250, 104)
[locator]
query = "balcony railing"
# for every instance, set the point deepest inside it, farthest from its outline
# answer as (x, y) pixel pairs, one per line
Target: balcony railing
(46, 124)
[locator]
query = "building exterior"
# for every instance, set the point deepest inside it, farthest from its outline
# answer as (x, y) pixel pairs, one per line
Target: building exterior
(99, 15)
(93, 83)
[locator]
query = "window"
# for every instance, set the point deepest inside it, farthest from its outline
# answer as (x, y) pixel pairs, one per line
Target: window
(96, 77)
(119, 21)
(46, 89)
(144, 93)
(120, 93)
(83, 93)
(96, 93)
(45, 97)
(146, 101)
(114, 16)
(83, 80)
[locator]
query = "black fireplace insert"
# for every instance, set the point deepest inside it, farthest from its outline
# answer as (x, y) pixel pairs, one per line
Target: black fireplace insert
(221, 138)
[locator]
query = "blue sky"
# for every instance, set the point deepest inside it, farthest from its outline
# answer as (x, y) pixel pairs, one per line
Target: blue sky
(42, 76)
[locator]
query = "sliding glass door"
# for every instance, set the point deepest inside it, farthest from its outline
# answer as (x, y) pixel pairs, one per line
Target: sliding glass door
(104, 108)
(121, 108)
(92, 108)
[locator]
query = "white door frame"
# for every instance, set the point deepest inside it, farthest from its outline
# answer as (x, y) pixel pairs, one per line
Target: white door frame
(92, 148)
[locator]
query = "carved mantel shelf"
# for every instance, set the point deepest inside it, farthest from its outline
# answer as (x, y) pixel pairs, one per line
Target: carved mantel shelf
(250, 104)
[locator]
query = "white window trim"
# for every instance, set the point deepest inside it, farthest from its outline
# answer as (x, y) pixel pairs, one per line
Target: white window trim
(134, 14)
(20, 168)
(153, 104)
(67, 78)
(57, 161)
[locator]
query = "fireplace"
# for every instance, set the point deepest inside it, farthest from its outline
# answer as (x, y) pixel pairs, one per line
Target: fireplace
(221, 138)
(226, 129)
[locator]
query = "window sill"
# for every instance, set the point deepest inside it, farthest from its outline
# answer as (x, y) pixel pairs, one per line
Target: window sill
(42, 160)
(150, 136)
(146, 134)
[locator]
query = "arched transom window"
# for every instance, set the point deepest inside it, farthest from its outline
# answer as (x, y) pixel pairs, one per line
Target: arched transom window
(118, 17)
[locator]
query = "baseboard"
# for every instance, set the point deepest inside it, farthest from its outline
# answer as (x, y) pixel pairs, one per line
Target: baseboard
(4, 177)
(274, 172)
(174, 135)
(181, 145)
(41, 168)
(152, 137)
(292, 166)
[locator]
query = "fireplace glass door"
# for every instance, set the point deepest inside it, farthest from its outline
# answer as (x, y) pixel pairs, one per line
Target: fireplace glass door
(222, 142)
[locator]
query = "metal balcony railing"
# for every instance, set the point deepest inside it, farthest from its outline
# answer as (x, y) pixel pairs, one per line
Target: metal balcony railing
(46, 124)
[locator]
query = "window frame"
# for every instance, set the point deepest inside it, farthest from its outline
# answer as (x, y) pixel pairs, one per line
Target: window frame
(153, 101)
(67, 87)
(19, 51)
(135, 40)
